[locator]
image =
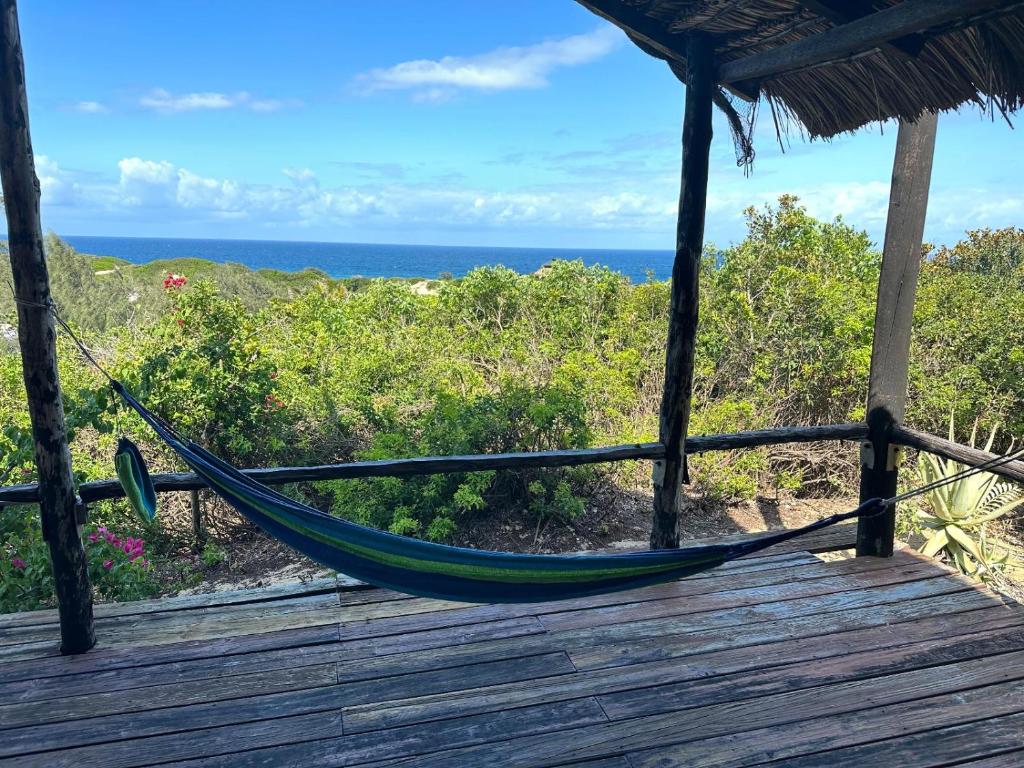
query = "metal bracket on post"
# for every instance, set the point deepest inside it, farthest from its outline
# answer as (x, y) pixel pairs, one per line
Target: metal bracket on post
(658, 473)
(896, 455)
(81, 512)
(867, 454)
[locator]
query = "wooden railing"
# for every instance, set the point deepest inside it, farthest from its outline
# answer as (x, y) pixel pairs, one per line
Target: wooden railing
(99, 490)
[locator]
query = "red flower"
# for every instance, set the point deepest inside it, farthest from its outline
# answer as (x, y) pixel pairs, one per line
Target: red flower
(174, 281)
(18, 564)
(108, 564)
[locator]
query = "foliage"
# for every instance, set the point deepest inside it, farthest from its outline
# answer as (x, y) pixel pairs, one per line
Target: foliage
(515, 418)
(269, 368)
(118, 565)
(960, 512)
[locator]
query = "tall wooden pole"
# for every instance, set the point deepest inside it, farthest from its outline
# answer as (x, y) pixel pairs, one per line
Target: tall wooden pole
(682, 329)
(894, 314)
(37, 336)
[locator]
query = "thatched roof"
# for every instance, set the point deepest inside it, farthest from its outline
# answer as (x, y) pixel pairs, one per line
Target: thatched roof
(977, 57)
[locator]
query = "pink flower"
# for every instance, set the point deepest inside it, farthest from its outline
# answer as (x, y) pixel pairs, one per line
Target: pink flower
(102, 529)
(133, 557)
(94, 537)
(18, 564)
(144, 563)
(108, 564)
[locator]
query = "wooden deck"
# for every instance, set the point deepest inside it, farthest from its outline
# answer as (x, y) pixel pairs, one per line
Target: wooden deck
(782, 660)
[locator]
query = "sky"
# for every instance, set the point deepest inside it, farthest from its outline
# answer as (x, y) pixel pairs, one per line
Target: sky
(451, 122)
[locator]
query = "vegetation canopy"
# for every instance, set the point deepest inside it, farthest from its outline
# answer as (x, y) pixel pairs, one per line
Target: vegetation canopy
(276, 369)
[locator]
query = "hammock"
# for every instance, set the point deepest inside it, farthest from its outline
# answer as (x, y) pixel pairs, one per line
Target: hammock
(422, 568)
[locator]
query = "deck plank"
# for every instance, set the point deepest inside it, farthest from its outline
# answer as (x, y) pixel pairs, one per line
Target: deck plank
(413, 741)
(655, 687)
(775, 660)
(721, 735)
(939, 747)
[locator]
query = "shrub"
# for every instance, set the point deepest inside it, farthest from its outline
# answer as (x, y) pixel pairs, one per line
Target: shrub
(516, 418)
(118, 565)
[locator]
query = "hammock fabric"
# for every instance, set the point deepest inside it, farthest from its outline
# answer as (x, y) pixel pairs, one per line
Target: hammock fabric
(434, 570)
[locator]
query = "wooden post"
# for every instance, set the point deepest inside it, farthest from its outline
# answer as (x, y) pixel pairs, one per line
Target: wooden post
(682, 329)
(197, 519)
(894, 314)
(37, 336)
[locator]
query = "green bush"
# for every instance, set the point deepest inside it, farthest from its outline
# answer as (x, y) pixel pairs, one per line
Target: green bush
(267, 368)
(514, 419)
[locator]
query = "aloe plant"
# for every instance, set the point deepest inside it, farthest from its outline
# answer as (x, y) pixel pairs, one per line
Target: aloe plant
(956, 523)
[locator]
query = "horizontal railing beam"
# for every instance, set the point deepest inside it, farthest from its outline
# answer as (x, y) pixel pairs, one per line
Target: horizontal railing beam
(947, 449)
(100, 490)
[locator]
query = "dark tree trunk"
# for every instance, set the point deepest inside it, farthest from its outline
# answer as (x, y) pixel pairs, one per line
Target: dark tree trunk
(37, 336)
(682, 329)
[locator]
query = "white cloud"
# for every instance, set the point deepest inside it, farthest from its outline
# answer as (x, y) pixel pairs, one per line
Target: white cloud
(159, 191)
(161, 100)
(498, 70)
(90, 107)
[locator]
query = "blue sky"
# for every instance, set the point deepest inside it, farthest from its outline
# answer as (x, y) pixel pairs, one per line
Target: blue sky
(531, 123)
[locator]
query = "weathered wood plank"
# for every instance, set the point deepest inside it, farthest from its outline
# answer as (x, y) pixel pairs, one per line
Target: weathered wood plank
(661, 686)
(757, 595)
(43, 664)
(157, 721)
(940, 747)
(822, 734)
(212, 669)
(894, 316)
(836, 537)
(545, 721)
(158, 696)
(669, 638)
(767, 728)
(1011, 725)
(198, 624)
(424, 618)
(213, 741)
(290, 679)
(683, 311)
(947, 449)
(182, 602)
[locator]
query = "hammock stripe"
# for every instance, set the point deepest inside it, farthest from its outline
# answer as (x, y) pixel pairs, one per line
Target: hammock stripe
(433, 570)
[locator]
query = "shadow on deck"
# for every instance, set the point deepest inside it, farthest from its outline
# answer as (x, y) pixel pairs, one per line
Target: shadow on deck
(781, 659)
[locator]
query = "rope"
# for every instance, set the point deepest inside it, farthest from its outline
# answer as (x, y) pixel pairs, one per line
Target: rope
(995, 461)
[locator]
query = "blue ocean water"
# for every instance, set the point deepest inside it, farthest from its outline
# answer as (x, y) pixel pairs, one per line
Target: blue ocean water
(368, 260)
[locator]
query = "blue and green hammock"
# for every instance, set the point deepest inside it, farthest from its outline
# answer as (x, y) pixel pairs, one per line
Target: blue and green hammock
(420, 567)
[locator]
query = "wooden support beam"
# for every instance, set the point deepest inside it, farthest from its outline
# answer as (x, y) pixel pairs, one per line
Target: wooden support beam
(858, 36)
(682, 329)
(947, 449)
(894, 314)
(37, 337)
(844, 11)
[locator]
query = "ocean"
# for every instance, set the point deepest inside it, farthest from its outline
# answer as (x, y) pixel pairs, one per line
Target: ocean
(368, 260)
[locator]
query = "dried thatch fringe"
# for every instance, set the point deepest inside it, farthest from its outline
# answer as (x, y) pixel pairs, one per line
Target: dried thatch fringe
(980, 61)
